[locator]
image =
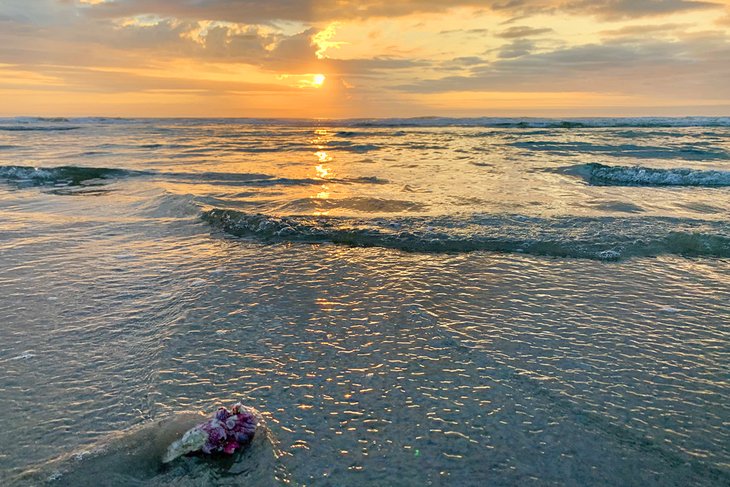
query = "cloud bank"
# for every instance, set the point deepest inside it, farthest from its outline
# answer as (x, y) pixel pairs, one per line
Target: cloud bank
(379, 57)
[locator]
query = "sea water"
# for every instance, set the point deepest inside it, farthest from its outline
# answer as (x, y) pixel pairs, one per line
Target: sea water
(406, 301)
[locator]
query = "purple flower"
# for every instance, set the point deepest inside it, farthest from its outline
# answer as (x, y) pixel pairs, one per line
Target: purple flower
(222, 414)
(226, 431)
(231, 447)
(242, 427)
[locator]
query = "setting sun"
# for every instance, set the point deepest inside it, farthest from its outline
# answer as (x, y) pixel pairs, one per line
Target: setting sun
(318, 80)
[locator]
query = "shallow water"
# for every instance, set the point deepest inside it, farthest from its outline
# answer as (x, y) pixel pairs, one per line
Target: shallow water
(407, 302)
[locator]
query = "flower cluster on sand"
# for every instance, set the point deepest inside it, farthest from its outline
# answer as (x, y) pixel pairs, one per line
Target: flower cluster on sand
(225, 432)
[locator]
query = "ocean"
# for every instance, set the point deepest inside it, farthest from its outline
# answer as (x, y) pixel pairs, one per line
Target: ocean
(429, 301)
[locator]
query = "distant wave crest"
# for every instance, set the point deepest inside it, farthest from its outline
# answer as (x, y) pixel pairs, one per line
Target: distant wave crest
(493, 122)
(35, 128)
(570, 123)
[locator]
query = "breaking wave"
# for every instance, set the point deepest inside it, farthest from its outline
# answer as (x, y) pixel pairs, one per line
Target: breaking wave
(71, 175)
(76, 175)
(603, 175)
(606, 239)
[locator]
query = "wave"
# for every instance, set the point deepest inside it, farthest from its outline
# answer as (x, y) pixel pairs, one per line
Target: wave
(603, 175)
(79, 175)
(357, 203)
(36, 119)
(362, 133)
(605, 239)
(569, 123)
(687, 152)
(258, 179)
(70, 175)
(37, 128)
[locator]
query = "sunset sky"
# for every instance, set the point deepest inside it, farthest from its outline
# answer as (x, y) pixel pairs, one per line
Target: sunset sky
(364, 58)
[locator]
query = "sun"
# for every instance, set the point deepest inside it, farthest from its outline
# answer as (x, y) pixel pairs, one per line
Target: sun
(318, 79)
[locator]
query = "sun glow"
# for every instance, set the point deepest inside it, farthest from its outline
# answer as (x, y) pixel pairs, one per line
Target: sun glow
(309, 80)
(322, 40)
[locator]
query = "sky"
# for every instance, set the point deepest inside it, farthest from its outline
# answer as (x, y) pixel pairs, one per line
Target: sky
(364, 58)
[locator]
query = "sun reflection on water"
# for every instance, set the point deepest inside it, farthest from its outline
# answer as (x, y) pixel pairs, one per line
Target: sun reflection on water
(323, 156)
(322, 171)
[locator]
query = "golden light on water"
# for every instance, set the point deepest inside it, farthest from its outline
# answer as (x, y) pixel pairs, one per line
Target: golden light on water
(323, 156)
(322, 171)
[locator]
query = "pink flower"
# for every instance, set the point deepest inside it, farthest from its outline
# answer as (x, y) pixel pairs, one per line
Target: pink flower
(231, 447)
(227, 432)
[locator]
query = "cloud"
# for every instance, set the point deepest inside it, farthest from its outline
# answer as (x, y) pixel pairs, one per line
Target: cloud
(313, 11)
(697, 64)
(522, 31)
(470, 32)
(623, 9)
(206, 46)
(517, 48)
(645, 29)
(468, 60)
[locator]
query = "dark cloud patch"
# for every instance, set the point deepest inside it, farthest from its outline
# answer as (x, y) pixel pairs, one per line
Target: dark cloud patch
(292, 53)
(460, 64)
(517, 48)
(644, 30)
(522, 31)
(160, 36)
(470, 32)
(468, 60)
(225, 44)
(621, 9)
